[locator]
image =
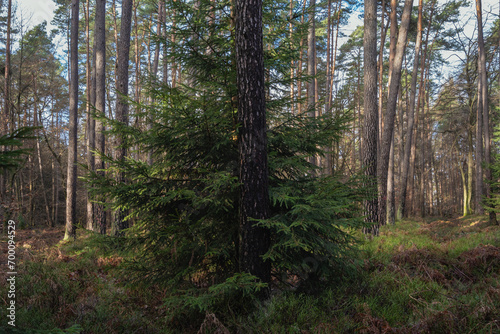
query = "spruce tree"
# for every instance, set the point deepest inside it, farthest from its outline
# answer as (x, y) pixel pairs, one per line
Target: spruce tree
(185, 200)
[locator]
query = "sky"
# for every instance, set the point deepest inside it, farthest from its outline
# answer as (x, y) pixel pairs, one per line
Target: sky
(42, 10)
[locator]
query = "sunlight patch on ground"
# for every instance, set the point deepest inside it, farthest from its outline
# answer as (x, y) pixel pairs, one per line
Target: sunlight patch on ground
(474, 223)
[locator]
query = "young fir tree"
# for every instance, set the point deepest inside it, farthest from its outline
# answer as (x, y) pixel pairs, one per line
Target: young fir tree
(185, 201)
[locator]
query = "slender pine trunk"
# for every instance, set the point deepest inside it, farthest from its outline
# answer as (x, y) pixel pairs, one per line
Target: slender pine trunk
(73, 126)
(121, 113)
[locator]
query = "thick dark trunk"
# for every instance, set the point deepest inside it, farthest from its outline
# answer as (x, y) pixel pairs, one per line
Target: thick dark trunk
(252, 138)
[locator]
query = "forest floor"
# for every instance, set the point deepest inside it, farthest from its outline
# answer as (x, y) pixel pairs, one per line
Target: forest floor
(420, 276)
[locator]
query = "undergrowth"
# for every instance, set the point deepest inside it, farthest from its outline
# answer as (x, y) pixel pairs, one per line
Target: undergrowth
(419, 276)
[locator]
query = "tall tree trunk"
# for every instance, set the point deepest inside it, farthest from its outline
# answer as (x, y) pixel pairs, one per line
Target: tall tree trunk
(391, 212)
(334, 54)
(411, 116)
(370, 128)
(479, 150)
(39, 153)
(73, 126)
(173, 71)
(115, 32)
(328, 53)
(483, 95)
(311, 69)
(90, 120)
(55, 174)
(357, 128)
(300, 65)
(470, 165)
(311, 60)
(100, 102)
(393, 19)
(31, 202)
(292, 72)
(438, 187)
(465, 210)
(7, 72)
(6, 110)
(165, 51)
(119, 223)
(395, 78)
(383, 33)
(159, 33)
(254, 202)
(138, 50)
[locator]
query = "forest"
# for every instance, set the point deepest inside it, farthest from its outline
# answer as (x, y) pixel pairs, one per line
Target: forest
(249, 166)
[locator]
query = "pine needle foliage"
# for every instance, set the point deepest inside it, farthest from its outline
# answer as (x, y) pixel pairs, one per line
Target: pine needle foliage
(185, 204)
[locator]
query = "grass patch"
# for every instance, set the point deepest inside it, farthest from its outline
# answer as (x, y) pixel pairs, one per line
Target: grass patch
(76, 286)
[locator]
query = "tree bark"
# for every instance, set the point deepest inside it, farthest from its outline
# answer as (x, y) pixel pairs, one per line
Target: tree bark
(292, 72)
(391, 212)
(300, 65)
(483, 95)
(370, 128)
(6, 110)
(311, 60)
(138, 50)
(121, 114)
(311, 69)
(470, 176)
(334, 54)
(39, 153)
(100, 102)
(383, 33)
(411, 115)
(393, 19)
(73, 126)
(90, 119)
(254, 200)
(395, 78)
(173, 70)
(159, 33)
(479, 150)
(4, 119)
